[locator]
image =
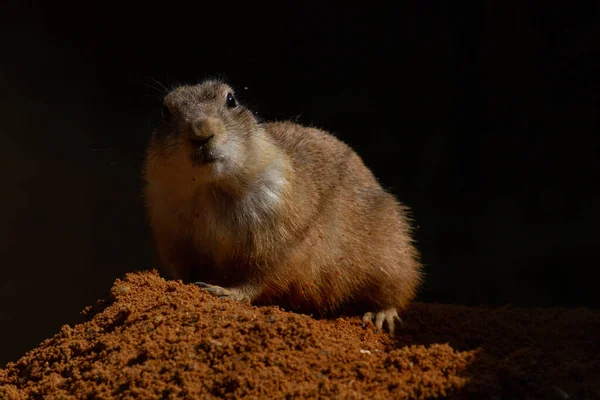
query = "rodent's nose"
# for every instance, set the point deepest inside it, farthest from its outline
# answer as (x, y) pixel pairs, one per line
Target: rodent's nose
(204, 129)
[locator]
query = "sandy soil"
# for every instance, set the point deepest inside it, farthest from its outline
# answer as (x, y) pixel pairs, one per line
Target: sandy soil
(161, 339)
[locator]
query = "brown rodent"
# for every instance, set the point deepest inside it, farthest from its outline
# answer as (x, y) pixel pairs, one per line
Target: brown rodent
(274, 213)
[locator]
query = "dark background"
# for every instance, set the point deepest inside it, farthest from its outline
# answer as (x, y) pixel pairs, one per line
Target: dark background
(482, 118)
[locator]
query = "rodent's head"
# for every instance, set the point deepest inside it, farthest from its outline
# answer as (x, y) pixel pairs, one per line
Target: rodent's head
(205, 128)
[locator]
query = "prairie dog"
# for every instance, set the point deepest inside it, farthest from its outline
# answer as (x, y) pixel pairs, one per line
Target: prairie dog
(274, 213)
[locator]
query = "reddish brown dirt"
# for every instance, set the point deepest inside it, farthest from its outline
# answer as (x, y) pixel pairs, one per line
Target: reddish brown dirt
(162, 339)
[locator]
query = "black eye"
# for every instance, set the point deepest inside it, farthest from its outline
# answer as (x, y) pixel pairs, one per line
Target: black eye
(166, 114)
(231, 103)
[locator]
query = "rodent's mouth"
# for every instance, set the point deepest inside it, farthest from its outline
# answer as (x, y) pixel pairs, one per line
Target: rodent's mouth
(204, 155)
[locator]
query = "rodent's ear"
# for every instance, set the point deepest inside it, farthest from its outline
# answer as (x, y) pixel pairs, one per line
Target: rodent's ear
(231, 102)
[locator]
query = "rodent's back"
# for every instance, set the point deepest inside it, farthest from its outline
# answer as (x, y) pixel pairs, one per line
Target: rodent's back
(358, 236)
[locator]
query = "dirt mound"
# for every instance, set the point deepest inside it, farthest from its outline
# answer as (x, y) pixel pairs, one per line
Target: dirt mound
(162, 339)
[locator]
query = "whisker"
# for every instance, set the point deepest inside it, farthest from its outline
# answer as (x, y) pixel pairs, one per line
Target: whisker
(161, 85)
(152, 87)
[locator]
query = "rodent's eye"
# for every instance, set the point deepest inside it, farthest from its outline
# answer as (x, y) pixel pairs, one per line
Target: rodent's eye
(231, 103)
(166, 114)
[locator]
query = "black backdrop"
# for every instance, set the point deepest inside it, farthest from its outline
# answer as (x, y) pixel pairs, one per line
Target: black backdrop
(482, 118)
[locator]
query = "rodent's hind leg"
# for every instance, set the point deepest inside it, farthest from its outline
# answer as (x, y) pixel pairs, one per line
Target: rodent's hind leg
(390, 316)
(235, 294)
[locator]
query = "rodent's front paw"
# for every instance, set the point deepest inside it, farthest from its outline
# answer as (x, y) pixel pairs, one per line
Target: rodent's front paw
(221, 292)
(390, 316)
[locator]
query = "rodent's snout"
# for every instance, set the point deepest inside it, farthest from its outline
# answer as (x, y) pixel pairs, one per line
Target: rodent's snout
(204, 129)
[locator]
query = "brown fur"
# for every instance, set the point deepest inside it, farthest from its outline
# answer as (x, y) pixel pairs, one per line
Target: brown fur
(287, 215)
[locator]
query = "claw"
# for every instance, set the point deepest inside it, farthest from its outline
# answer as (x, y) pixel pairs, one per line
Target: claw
(368, 317)
(221, 292)
(389, 316)
(212, 289)
(379, 321)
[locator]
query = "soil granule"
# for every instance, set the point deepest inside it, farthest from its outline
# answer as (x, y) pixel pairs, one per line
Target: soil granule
(162, 339)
